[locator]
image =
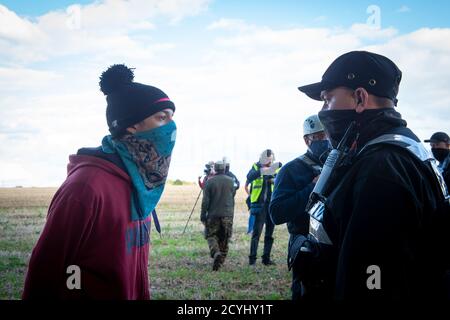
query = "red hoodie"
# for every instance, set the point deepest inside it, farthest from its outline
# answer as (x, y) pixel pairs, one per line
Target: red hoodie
(89, 225)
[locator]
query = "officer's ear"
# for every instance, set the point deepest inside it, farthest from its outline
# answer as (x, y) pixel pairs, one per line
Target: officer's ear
(362, 99)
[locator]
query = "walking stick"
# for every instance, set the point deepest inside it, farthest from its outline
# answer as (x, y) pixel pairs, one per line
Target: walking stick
(201, 190)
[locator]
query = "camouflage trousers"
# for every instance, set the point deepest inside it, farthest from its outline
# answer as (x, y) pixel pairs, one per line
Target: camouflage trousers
(217, 232)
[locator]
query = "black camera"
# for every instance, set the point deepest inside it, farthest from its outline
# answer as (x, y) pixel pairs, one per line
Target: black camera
(208, 169)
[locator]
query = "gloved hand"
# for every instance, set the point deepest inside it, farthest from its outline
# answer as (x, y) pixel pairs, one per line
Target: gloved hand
(315, 179)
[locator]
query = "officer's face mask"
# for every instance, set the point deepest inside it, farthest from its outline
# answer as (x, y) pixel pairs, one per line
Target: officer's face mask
(336, 122)
(319, 147)
(440, 154)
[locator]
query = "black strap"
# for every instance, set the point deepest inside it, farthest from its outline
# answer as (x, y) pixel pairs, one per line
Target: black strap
(156, 221)
(311, 163)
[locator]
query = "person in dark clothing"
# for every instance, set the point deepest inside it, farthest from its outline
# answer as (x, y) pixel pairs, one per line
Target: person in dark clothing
(251, 218)
(260, 178)
(217, 213)
(98, 222)
(440, 147)
(371, 227)
(293, 185)
(236, 182)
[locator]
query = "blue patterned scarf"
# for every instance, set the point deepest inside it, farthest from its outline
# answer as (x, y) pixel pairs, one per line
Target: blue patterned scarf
(146, 156)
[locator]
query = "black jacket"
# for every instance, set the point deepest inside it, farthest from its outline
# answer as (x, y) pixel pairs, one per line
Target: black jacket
(386, 209)
(293, 185)
(446, 171)
(236, 182)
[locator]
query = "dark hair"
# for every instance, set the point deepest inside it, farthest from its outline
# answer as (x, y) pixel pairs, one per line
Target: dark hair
(384, 102)
(381, 102)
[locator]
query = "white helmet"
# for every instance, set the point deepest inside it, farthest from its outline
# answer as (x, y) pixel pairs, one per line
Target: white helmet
(266, 157)
(226, 161)
(312, 125)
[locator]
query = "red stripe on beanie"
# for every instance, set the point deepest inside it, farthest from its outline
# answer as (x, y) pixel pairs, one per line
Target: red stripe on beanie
(161, 100)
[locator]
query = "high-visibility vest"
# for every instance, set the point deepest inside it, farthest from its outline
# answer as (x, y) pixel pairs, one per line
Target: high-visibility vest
(257, 185)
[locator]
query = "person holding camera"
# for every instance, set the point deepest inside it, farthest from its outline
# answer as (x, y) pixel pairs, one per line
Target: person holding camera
(260, 178)
(207, 173)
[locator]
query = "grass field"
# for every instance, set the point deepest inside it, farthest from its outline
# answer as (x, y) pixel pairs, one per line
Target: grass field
(179, 266)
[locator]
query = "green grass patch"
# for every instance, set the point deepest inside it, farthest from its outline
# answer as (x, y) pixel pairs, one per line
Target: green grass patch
(180, 266)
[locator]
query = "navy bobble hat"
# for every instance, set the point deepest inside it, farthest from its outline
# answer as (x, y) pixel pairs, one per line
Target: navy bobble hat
(128, 102)
(359, 69)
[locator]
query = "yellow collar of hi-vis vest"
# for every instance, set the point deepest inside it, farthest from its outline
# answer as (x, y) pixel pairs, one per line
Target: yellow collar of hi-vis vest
(257, 185)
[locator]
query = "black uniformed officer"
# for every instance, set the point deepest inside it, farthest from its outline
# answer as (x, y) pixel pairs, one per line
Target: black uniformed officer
(440, 147)
(385, 220)
(293, 185)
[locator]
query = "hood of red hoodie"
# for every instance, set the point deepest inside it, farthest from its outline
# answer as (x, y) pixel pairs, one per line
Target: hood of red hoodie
(79, 161)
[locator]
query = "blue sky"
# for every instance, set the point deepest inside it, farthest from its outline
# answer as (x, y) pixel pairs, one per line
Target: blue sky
(32, 8)
(232, 68)
(280, 14)
(404, 16)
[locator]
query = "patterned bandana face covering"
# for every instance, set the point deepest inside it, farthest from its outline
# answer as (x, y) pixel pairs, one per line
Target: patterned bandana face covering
(146, 156)
(152, 166)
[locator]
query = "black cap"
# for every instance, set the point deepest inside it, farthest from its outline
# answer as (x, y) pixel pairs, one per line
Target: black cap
(359, 69)
(439, 137)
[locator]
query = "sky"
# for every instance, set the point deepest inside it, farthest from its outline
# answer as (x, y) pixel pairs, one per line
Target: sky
(231, 67)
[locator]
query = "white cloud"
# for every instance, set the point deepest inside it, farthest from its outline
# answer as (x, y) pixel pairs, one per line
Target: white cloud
(403, 9)
(251, 79)
(89, 29)
(307, 38)
(118, 15)
(230, 24)
(143, 25)
(24, 79)
(320, 18)
(12, 174)
(365, 31)
(14, 28)
(237, 98)
(422, 57)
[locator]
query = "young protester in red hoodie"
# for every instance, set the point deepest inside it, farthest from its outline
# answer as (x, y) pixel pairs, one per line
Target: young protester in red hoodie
(98, 222)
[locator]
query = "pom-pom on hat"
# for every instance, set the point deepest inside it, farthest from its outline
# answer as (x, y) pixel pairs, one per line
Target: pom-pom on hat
(128, 102)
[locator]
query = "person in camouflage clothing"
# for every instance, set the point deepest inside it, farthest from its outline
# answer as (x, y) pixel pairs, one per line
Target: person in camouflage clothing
(217, 213)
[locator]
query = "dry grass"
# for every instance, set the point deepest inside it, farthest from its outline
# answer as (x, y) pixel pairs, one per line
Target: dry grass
(26, 197)
(179, 266)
